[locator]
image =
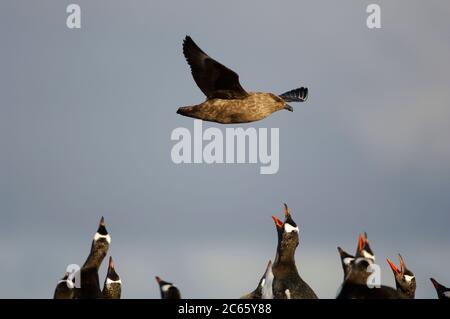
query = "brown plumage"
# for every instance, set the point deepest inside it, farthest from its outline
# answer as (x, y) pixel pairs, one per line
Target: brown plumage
(226, 101)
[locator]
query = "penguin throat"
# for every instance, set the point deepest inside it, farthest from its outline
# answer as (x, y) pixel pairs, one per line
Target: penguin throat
(285, 257)
(95, 257)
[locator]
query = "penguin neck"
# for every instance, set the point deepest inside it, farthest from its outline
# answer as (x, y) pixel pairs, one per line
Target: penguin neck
(112, 290)
(406, 293)
(357, 276)
(95, 257)
(285, 257)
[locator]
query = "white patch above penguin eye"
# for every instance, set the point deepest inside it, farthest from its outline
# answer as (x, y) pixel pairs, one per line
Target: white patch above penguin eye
(109, 282)
(97, 236)
(447, 294)
(289, 228)
(165, 288)
(348, 260)
(288, 294)
(366, 254)
(409, 278)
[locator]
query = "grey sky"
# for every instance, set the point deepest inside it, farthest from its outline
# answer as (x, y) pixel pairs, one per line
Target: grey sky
(86, 117)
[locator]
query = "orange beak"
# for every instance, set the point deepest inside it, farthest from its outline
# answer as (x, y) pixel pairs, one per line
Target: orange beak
(111, 263)
(278, 222)
(361, 242)
(393, 267)
(286, 210)
(402, 263)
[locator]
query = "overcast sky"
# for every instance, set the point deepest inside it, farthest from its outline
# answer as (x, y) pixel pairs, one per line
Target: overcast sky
(86, 117)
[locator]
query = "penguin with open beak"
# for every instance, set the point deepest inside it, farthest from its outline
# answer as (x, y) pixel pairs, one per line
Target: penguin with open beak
(168, 290)
(405, 280)
(356, 283)
(264, 289)
(287, 283)
(442, 291)
(112, 288)
(363, 249)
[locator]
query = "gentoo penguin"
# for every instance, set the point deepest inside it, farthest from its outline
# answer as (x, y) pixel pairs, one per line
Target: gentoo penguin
(264, 289)
(64, 288)
(226, 101)
(167, 289)
(442, 291)
(112, 288)
(346, 261)
(287, 283)
(90, 285)
(405, 280)
(355, 285)
(363, 249)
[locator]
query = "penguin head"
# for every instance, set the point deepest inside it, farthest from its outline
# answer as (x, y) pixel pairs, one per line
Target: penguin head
(112, 277)
(167, 289)
(442, 291)
(404, 278)
(288, 231)
(102, 239)
(347, 260)
(359, 270)
(363, 249)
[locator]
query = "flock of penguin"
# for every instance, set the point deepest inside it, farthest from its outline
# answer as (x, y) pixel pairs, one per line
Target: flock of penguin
(280, 280)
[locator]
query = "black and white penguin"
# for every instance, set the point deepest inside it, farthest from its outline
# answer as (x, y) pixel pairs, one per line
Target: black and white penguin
(112, 288)
(405, 280)
(442, 291)
(89, 281)
(356, 283)
(65, 288)
(264, 289)
(346, 261)
(167, 289)
(363, 249)
(287, 283)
